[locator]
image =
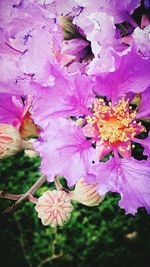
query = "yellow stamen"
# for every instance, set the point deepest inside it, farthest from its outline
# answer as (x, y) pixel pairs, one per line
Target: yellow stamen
(114, 124)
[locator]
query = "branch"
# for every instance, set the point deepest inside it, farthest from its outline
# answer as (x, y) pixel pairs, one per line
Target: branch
(26, 196)
(6, 195)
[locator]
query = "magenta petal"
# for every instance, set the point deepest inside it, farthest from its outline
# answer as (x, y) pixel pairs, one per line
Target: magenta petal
(131, 179)
(135, 193)
(11, 109)
(38, 56)
(68, 97)
(65, 151)
(131, 75)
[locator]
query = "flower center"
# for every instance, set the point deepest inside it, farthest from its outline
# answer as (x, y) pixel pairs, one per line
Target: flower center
(113, 125)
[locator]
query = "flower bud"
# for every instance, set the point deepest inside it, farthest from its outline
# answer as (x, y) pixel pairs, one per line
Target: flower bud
(54, 208)
(86, 194)
(10, 140)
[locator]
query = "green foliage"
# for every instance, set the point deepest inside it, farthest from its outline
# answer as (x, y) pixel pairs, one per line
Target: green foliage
(100, 236)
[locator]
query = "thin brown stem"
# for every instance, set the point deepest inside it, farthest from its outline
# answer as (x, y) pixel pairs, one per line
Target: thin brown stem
(26, 196)
(6, 195)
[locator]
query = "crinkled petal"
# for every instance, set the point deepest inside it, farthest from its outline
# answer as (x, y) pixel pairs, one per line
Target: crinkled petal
(39, 54)
(116, 8)
(131, 179)
(68, 97)
(65, 151)
(142, 40)
(131, 75)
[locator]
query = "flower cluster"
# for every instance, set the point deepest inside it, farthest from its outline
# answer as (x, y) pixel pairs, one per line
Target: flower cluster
(75, 76)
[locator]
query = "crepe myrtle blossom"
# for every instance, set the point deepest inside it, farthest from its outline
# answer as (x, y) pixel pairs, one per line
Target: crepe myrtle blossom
(97, 21)
(85, 120)
(102, 37)
(93, 43)
(32, 39)
(32, 28)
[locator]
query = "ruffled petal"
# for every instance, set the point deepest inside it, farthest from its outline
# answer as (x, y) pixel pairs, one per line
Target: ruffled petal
(65, 151)
(131, 179)
(142, 40)
(131, 75)
(116, 8)
(68, 97)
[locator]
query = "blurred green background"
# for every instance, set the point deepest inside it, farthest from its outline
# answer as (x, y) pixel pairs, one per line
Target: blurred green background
(100, 236)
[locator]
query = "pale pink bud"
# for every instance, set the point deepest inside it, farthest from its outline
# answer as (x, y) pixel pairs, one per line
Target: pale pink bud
(86, 194)
(54, 208)
(10, 140)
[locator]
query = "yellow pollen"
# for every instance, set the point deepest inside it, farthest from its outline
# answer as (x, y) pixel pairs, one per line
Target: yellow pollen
(114, 124)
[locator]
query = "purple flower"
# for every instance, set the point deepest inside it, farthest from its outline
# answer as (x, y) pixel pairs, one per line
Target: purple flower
(93, 127)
